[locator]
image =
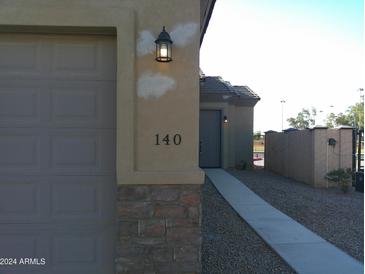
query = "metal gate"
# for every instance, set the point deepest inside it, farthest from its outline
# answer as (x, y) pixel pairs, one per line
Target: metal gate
(358, 159)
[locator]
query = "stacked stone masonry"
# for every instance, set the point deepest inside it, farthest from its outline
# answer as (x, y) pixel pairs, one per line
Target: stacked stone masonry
(159, 229)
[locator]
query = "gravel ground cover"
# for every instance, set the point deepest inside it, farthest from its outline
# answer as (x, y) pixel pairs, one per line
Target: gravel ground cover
(335, 216)
(230, 246)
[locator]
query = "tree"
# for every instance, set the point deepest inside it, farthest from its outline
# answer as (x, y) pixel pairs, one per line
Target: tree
(304, 119)
(343, 120)
(257, 135)
(331, 120)
(356, 115)
(353, 117)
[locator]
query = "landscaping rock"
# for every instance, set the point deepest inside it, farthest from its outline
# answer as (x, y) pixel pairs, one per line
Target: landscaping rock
(333, 215)
(230, 246)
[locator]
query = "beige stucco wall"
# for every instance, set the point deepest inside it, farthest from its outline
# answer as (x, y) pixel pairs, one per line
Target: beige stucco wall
(242, 130)
(237, 134)
(328, 158)
(274, 152)
(306, 156)
(299, 156)
(139, 118)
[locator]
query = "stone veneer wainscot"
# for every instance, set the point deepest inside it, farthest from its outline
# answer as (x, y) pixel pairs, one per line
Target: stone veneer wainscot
(159, 229)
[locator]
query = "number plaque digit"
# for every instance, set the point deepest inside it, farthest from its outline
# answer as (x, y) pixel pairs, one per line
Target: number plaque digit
(176, 140)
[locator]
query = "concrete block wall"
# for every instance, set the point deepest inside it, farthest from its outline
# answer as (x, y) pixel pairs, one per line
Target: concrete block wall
(305, 155)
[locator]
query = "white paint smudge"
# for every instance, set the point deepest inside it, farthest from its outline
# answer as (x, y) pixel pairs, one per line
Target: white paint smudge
(145, 43)
(225, 97)
(183, 34)
(154, 85)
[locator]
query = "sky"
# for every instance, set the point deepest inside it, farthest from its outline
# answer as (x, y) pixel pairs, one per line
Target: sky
(309, 53)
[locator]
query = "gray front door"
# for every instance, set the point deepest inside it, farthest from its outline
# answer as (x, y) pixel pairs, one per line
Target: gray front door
(57, 153)
(210, 138)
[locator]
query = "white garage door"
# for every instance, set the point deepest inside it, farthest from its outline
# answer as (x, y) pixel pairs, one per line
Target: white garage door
(57, 153)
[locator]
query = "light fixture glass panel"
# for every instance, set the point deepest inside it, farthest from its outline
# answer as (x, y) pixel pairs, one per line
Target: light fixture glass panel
(163, 50)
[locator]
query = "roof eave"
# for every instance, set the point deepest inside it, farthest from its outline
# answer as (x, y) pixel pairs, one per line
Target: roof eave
(204, 22)
(232, 99)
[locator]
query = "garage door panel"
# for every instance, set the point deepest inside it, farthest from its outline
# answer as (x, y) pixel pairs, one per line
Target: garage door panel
(57, 152)
(24, 242)
(22, 245)
(19, 245)
(22, 103)
(75, 57)
(19, 149)
(66, 249)
(28, 193)
(74, 104)
(82, 199)
(17, 104)
(57, 199)
(78, 152)
(83, 251)
(75, 199)
(83, 105)
(82, 58)
(24, 199)
(26, 270)
(75, 249)
(57, 104)
(20, 56)
(60, 57)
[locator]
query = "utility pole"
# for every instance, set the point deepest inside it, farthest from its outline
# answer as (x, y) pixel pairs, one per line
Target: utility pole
(361, 90)
(282, 114)
(331, 109)
(358, 134)
(321, 117)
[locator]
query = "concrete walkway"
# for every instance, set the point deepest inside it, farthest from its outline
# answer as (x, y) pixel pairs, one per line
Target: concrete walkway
(302, 249)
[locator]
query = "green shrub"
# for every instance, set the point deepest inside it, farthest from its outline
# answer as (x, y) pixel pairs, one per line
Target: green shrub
(342, 177)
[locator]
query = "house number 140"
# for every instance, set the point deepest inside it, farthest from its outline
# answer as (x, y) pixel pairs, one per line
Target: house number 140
(166, 140)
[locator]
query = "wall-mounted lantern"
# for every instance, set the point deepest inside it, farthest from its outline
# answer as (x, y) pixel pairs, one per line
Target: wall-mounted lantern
(331, 142)
(163, 47)
(225, 119)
